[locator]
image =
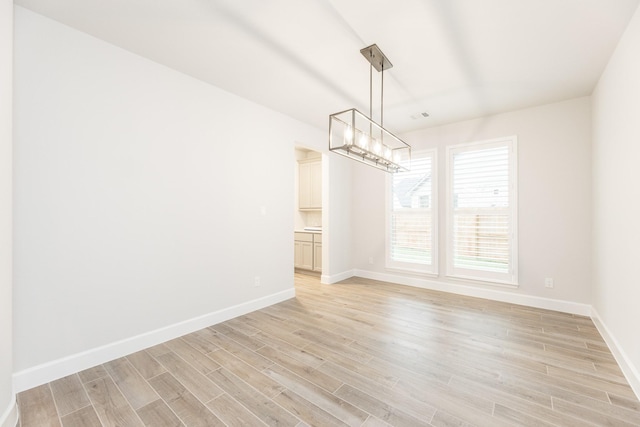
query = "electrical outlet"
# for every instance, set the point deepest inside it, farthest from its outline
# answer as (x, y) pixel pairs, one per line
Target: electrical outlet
(548, 282)
(256, 281)
(371, 260)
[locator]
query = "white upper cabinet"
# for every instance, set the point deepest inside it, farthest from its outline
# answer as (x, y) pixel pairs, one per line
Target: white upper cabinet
(310, 182)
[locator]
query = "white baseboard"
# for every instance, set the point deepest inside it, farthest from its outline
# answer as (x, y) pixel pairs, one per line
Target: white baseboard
(10, 416)
(47, 372)
(630, 372)
(472, 291)
(335, 278)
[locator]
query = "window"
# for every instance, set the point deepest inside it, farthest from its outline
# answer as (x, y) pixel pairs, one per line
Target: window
(411, 222)
(482, 211)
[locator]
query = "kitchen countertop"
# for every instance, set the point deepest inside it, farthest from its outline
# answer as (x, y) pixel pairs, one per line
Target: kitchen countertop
(308, 231)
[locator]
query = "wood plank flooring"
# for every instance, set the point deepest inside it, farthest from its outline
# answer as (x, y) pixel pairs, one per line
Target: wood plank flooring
(358, 353)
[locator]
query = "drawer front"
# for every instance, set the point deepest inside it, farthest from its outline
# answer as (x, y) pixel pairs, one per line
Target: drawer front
(303, 237)
(317, 238)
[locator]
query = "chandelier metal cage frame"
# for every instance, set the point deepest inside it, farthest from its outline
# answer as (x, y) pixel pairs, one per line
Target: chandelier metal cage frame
(359, 137)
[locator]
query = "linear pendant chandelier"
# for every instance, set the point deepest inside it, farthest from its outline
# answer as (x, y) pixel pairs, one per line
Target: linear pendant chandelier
(357, 136)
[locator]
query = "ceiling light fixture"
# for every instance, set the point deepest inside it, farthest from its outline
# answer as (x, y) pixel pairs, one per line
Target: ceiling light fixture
(357, 136)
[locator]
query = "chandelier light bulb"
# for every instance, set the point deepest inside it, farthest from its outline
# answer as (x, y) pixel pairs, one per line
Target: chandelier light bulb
(377, 147)
(364, 141)
(348, 135)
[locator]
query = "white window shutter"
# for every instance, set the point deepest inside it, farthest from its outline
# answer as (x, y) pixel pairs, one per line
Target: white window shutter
(482, 211)
(411, 222)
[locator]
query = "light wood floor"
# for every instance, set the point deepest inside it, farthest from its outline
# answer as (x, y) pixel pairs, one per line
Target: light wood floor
(359, 353)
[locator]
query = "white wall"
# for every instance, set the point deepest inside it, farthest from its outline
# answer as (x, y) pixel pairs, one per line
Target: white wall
(139, 194)
(554, 191)
(337, 230)
(616, 200)
(7, 399)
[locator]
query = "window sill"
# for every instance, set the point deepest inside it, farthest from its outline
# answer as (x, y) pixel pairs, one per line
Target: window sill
(414, 272)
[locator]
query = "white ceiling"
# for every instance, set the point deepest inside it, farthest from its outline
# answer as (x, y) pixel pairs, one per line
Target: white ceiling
(455, 59)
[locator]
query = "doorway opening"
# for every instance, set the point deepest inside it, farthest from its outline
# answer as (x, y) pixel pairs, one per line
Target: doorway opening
(308, 212)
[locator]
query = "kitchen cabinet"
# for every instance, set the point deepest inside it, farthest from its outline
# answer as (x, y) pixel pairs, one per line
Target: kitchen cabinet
(303, 246)
(308, 251)
(317, 252)
(310, 184)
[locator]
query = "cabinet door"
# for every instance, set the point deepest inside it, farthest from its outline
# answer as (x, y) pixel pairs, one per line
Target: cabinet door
(310, 185)
(317, 257)
(304, 183)
(297, 254)
(303, 257)
(316, 185)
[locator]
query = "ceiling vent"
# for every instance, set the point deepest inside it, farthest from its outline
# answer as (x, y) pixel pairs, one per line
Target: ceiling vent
(422, 115)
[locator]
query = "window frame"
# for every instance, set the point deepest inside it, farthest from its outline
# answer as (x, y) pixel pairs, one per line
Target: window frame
(404, 266)
(509, 278)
